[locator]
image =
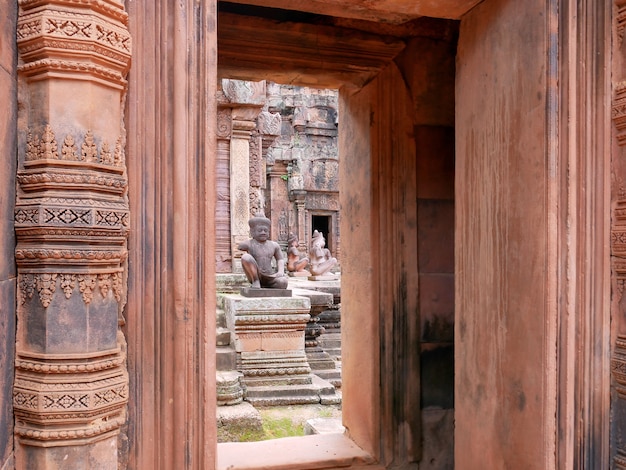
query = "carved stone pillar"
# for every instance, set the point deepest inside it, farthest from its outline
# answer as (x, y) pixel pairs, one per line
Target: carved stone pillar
(246, 99)
(279, 203)
(618, 257)
(303, 233)
(223, 253)
(71, 221)
(269, 128)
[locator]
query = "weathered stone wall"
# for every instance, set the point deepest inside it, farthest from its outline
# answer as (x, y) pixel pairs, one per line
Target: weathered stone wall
(503, 269)
(8, 162)
(305, 156)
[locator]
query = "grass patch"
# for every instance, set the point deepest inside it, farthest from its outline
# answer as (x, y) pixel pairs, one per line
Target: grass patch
(275, 428)
(275, 422)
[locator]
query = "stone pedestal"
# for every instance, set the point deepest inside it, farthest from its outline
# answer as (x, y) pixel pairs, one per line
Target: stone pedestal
(269, 341)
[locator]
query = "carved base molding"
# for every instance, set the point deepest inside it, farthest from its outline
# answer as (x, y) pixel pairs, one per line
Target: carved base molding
(71, 400)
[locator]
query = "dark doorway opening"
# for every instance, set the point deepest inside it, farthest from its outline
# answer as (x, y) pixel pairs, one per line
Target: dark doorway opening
(322, 223)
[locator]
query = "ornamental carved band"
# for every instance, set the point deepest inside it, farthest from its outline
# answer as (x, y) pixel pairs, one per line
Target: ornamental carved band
(72, 223)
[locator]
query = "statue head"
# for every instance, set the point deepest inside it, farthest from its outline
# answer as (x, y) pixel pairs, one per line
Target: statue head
(259, 227)
(317, 239)
(292, 240)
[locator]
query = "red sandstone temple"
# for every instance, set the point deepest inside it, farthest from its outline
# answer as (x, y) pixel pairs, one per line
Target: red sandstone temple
(480, 181)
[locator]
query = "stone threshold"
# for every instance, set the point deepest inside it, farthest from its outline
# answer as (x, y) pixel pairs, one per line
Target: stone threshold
(320, 451)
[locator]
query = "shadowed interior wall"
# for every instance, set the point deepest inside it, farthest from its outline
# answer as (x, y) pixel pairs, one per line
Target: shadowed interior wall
(8, 162)
(504, 342)
(428, 67)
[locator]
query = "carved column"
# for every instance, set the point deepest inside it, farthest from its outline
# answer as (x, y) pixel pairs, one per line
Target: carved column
(279, 202)
(223, 254)
(71, 221)
(246, 99)
(303, 233)
(269, 128)
(618, 256)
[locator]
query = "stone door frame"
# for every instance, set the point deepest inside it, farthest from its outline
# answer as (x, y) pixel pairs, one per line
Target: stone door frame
(170, 334)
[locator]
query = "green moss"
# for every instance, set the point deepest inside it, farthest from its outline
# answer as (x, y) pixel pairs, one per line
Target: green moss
(281, 427)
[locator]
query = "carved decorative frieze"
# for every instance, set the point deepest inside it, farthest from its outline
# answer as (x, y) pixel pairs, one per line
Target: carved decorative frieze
(256, 167)
(224, 123)
(65, 38)
(618, 365)
(620, 20)
(618, 112)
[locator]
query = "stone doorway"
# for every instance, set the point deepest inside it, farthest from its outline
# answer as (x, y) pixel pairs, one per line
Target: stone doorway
(323, 224)
(382, 99)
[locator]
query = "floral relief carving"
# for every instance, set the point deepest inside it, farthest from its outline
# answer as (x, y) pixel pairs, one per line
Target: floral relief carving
(49, 149)
(33, 147)
(111, 218)
(67, 216)
(75, 27)
(115, 39)
(46, 285)
(86, 285)
(111, 395)
(27, 286)
(255, 160)
(106, 155)
(105, 284)
(69, 149)
(89, 151)
(117, 285)
(68, 284)
(45, 65)
(255, 202)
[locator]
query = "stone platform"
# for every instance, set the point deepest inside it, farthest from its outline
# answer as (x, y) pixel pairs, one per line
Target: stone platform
(268, 337)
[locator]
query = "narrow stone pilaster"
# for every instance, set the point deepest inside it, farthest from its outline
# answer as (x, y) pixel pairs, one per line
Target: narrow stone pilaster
(223, 252)
(71, 222)
(246, 100)
(279, 202)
